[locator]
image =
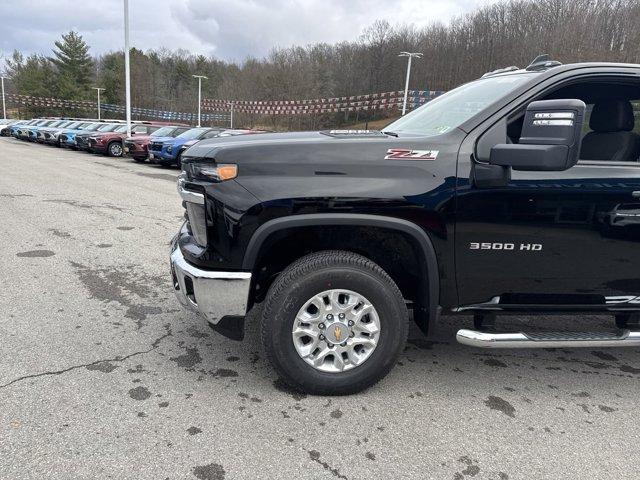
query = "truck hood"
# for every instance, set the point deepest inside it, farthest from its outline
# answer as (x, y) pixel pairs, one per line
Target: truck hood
(322, 164)
(335, 146)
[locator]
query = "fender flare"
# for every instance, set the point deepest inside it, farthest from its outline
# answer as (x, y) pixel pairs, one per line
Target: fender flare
(422, 239)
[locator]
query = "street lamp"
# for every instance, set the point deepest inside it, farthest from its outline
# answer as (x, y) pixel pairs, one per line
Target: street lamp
(406, 85)
(98, 89)
(127, 69)
(4, 108)
(199, 77)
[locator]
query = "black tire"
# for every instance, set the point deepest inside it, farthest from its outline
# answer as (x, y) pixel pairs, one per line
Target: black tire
(314, 274)
(179, 160)
(114, 149)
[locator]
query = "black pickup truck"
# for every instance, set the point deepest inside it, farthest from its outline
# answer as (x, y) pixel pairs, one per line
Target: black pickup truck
(517, 193)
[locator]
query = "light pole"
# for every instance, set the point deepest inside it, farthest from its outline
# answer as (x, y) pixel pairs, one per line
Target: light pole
(127, 71)
(4, 108)
(98, 89)
(231, 126)
(406, 85)
(199, 77)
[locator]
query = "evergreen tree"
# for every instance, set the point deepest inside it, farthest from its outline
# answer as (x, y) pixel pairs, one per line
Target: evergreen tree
(74, 65)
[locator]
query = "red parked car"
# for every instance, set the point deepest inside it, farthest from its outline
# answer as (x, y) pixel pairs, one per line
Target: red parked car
(112, 143)
(137, 146)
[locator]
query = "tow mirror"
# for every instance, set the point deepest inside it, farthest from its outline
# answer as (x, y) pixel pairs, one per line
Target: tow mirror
(550, 139)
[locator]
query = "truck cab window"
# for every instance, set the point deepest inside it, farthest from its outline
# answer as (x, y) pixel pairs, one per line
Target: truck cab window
(611, 136)
(611, 131)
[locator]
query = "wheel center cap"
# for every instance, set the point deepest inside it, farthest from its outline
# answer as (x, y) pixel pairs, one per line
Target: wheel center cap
(337, 332)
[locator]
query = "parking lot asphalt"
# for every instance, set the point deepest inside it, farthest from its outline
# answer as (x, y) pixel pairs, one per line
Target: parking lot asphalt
(103, 375)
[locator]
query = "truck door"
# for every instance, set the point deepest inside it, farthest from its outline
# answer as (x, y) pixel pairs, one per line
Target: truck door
(557, 238)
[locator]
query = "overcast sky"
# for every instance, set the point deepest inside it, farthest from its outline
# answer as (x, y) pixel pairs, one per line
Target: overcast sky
(227, 29)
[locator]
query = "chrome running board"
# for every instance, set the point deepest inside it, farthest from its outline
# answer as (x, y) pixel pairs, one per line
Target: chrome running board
(619, 338)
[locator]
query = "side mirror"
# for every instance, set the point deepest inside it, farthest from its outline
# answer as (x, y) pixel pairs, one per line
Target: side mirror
(550, 139)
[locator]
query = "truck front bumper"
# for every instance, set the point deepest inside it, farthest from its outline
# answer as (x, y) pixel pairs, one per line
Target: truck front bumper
(220, 297)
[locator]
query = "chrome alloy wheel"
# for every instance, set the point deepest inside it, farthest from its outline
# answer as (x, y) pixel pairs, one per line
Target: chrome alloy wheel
(115, 149)
(336, 330)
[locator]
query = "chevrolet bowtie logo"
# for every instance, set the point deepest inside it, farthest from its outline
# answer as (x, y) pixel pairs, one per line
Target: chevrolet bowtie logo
(337, 333)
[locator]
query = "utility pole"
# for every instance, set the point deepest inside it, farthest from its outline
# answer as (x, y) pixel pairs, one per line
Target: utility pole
(98, 89)
(4, 107)
(127, 68)
(199, 77)
(231, 104)
(406, 85)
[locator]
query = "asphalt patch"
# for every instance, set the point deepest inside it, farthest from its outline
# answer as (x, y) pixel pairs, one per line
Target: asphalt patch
(36, 254)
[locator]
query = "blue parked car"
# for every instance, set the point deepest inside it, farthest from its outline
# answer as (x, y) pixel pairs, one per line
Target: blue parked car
(166, 150)
(43, 135)
(67, 138)
(32, 131)
(22, 132)
(8, 129)
(51, 136)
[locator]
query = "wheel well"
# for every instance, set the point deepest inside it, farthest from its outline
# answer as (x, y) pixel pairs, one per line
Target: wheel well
(396, 252)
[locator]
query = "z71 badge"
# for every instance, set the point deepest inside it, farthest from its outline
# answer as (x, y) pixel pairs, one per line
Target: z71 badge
(406, 154)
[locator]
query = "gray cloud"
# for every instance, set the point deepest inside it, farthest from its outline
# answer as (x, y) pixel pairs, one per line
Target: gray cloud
(228, 29)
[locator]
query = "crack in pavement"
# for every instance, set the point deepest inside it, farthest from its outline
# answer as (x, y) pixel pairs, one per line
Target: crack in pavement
(314, 455)
(154, 345)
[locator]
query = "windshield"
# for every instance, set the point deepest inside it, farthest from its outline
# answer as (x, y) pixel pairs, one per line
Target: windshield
(73, 125)
(122, 129)
(92, 127)
(163, 132)
(455, 107)
(193, 133)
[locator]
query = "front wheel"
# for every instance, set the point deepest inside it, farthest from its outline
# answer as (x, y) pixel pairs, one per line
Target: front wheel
(334, 323)
(115, 149)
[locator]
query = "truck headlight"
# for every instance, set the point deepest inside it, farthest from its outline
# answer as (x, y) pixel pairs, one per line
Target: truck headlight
(213, 173)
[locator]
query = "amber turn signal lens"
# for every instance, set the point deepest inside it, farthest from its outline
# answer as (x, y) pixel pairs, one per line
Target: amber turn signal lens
(227, 172)
(215, 173)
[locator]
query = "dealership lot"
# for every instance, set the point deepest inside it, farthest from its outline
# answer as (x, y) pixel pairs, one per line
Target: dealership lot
(103, 375)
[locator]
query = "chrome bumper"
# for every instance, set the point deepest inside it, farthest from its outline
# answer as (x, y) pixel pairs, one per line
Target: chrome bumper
(213, 295)
(188, 195)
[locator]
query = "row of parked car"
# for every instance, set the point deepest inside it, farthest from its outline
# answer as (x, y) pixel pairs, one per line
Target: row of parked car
(157, 142)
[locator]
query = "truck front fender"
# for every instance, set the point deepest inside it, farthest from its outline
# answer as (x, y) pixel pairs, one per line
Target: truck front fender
(419, 236)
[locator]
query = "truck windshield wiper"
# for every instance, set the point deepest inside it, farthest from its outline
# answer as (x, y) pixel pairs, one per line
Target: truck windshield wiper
(393, 134)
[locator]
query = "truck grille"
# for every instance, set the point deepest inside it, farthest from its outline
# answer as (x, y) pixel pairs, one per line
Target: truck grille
(156, 146)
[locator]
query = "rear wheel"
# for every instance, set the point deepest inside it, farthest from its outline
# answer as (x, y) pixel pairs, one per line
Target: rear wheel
(334, 323)
(115, 149)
